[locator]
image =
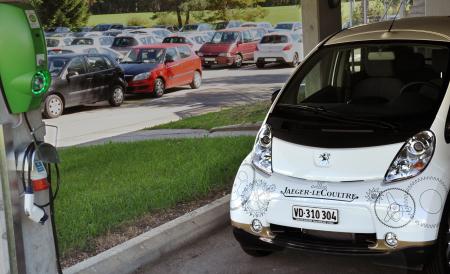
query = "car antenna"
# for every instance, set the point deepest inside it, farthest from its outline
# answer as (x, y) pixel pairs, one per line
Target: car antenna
(396, 15)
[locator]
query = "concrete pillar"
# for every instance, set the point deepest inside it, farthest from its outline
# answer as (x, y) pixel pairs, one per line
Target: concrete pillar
(437, 8)
(319, 21)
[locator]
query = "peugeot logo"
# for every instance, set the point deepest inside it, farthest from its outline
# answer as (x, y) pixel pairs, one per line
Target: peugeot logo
(323, 159)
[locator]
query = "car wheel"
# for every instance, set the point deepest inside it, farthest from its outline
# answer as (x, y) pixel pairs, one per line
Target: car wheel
(159, 88)
(440, 261)
(295, 61)
(260, 65)
(54, 106)
(238, 61)
(117, 96)
(197, 81)
(255, 252)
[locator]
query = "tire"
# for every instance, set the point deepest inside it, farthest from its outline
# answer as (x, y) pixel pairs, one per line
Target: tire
(117, 96)
(260, 65)
(159, 88)
(238, 61)
(295, 61)
(197, 80)
(439, 263)
(53, 106)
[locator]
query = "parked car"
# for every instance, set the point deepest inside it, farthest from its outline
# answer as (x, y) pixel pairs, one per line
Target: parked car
(113, 32)
(99, 41)
(133, 27)
(81, 31)
(167, 27)
(106, 27)
(159, 34)
(124, 42)
(153, 69)
(228, 25)
(288, 26)
(196, 41)
(353, 155)
(265, 25)
(57, 42)
(282, 47)
(86, 49)
(55, 30)
(258, 32)
(229, 47)
(80, 79)
(197, 27)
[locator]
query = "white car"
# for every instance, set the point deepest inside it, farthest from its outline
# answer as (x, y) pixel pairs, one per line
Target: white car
(124, 42)
(57, 42)
(283, 47)
(98, 41)
(196, 41)
(158, 33)
(354, 155)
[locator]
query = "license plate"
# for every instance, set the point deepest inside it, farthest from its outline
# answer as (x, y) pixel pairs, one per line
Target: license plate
(271, 59)
(314, 214)
(210, 59)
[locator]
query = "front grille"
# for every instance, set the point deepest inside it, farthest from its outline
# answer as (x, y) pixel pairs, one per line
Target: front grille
(129, 78)
(329, 242)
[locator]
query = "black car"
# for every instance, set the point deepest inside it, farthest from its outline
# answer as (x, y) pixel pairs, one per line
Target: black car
(79, 79)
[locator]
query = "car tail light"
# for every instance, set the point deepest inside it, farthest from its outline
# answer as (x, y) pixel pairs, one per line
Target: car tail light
(287, 47)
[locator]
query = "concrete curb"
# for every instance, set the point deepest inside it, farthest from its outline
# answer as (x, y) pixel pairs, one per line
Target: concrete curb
(151, 246)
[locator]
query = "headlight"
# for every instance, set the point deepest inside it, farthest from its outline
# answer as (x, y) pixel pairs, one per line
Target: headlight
(142, 76)
(200, 54)
(413, 158)
(262, 152)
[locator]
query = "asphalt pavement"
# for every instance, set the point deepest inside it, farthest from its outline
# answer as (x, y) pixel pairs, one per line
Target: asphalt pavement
(222, 87)
(221, 254)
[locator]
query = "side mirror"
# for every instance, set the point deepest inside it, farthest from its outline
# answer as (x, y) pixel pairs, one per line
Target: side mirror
(71, 74)
(275, 94)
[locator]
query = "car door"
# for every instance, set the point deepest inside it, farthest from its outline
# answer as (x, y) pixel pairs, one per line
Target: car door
(248, 45)
(101, 76)
(75, 84)
(187, 65)
(174, 70)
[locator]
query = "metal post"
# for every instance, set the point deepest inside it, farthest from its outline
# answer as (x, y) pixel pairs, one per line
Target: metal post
(365, 11)
(351, 12)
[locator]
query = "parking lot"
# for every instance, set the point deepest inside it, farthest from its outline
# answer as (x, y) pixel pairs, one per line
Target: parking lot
(220, 253)
(222, 87)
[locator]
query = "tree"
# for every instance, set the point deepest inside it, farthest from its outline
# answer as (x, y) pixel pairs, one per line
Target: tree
(68, 13)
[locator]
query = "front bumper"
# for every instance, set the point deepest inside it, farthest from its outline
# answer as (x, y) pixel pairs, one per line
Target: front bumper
(218, 60)
(367, 212)
(273, 57)
(143, 86)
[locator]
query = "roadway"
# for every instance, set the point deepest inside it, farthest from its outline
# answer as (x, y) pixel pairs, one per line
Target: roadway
(221, 87)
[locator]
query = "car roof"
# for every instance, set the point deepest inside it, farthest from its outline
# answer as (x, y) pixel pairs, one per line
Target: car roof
(434, 28)
(237, 29)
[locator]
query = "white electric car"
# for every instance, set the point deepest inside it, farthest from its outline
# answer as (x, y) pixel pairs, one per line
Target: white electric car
(282, 48)
(354, 154)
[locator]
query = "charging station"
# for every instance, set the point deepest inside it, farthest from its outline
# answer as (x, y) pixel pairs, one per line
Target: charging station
(27, 230)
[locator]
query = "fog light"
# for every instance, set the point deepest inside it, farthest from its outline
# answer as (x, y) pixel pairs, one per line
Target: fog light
(257, 226)
(40, 82)
(391, 239)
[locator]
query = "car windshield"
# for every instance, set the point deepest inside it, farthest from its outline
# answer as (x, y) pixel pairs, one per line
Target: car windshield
(56, 65)
(284, 26)
(390, 89)
(274, 39)
(175, 40)
(101, 28)
(124, 42)
(149, 55)
(221, 25)
(225, 37)
(82, 41)
(190, 28)
(52, 43)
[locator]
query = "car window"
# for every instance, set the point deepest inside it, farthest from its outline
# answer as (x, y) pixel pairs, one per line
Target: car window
(274, 39)
(83, 41)
(185, 52)
(109, 63)
(56, 65)
(225, 37)
(96, 63)
(175, 40)
(51, 43)
(247, 37)
(172, 53)
(123, 42)
(77, 66)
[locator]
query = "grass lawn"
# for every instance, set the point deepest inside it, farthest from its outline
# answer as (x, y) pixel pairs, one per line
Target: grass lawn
(274, 15)
(233, 116)
(104, 186)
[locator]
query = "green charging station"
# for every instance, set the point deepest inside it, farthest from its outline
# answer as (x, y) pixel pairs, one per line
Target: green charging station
(24, 76)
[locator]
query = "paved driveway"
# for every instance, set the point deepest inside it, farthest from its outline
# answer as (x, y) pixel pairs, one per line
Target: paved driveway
(220, 253)
(221, 88)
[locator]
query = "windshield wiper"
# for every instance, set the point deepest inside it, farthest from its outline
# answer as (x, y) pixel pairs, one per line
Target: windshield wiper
(339, 117)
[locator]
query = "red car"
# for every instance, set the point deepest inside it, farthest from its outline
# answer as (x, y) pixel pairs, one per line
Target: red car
(229, 47)
(155, 68)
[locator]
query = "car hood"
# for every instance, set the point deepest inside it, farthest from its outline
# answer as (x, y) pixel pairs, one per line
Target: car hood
(216, 48)
(135, 69)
